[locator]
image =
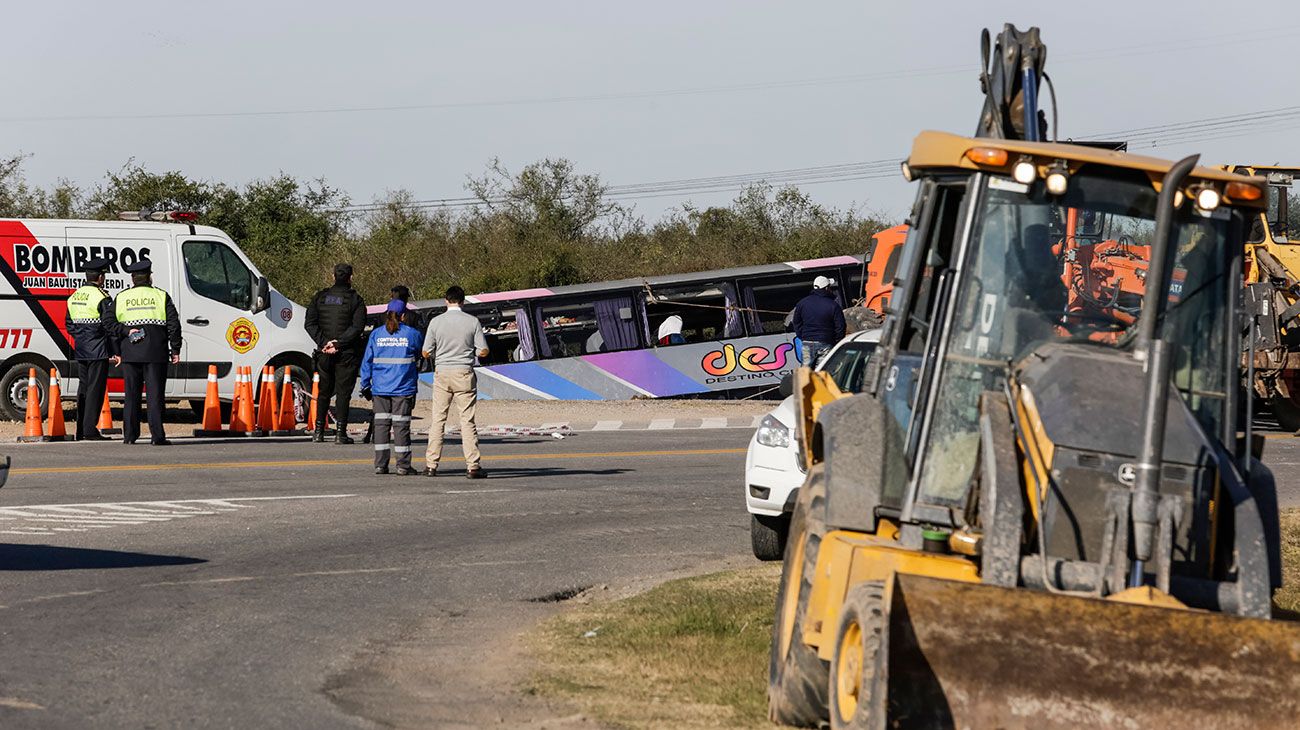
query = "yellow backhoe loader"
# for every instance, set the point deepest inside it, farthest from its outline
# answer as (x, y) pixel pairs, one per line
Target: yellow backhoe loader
(1273, 297)
(1035, 517)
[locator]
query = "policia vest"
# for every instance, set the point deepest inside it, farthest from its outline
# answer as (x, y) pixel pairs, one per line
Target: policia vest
(150, 311)
(86, 308)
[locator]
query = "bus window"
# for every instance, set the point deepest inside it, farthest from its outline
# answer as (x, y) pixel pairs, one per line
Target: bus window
(770, 302)
(584, 328)
(693, 313)
(501, 329)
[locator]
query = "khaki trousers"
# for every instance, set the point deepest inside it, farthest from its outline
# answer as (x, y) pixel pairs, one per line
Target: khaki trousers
(458, 389)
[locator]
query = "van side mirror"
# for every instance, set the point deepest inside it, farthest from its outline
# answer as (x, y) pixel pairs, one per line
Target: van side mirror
(786, 388)
(262, 296)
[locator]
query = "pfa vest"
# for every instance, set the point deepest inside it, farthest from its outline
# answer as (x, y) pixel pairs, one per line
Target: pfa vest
(83, 305)
(141, 305)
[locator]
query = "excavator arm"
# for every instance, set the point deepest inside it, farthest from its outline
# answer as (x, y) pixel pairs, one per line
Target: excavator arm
(1010, 79)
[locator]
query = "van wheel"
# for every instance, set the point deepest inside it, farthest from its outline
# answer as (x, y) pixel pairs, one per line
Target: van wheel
(767, 535)
(300, 379)
(797, 680)
(13, 391)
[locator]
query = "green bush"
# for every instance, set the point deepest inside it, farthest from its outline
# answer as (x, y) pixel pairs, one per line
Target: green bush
(546, 225)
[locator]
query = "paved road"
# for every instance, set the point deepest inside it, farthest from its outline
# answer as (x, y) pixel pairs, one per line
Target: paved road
(284, 585)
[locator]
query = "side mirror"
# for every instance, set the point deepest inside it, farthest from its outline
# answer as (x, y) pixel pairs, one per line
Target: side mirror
(786, 388)
(262, 295)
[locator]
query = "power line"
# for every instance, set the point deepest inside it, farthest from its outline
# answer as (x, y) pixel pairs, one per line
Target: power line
(1146, 49)
(720, 183)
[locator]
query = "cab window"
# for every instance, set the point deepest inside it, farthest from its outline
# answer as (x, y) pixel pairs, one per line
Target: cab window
(215, 272)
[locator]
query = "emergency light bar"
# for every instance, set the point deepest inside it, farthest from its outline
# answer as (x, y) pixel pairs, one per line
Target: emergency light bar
(161, 216)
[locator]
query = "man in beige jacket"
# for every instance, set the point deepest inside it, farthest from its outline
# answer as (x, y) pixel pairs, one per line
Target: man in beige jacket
(454, 339)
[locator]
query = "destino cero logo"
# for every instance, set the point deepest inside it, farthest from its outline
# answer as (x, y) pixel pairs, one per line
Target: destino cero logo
(754, 362)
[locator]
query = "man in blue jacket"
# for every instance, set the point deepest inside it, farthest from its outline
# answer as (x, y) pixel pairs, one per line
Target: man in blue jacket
(389, 378)
(818, 321)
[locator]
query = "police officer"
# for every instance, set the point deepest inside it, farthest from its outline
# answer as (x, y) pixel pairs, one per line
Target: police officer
(149, 337)
(89, 319)
(336, 321)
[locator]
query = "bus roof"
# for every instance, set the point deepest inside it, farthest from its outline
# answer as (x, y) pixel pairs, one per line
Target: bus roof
(519, 295)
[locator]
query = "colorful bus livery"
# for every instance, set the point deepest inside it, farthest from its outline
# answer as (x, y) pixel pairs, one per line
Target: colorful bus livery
(703, 334)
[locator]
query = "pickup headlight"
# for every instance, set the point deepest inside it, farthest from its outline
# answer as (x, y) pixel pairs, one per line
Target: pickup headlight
(772, 432)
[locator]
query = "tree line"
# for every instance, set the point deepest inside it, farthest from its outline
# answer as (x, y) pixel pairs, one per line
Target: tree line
(545, 225)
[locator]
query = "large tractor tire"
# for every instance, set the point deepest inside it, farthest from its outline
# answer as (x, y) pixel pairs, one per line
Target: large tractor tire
(857, 694)
(797, 678)
(1286, 411)
(767, 535)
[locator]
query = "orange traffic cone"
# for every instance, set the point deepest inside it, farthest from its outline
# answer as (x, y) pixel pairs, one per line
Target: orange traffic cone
(268, 411)
(315, 395)
(238, 426)
(34, 429)
(105, 426)
(246, 402)
(211, 425)
(58, 430)
(286, 421)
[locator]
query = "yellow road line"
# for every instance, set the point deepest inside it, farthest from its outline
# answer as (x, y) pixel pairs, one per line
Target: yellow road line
(338, 462)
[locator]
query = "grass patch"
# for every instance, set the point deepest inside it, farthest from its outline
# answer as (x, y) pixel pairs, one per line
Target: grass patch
(1288, 597)
(691, 653)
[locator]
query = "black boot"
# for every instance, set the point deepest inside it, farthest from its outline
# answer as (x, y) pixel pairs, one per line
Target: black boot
(318, 435)
(342, 437)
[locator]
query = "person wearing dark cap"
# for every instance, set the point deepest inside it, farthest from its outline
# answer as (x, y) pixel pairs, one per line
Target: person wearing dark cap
(89, 321)
(148, 331)
(336, 321)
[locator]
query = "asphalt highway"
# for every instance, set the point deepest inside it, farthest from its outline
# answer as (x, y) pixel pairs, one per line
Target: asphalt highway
(283, 584)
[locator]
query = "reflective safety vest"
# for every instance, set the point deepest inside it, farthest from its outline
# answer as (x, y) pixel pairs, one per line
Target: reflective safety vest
(141, 305)
(83, 305)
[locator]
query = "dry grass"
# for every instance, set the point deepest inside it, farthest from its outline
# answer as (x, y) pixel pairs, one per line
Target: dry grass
(691, 653)
(1288, 598)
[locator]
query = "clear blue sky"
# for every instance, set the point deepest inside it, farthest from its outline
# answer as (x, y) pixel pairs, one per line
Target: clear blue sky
(910, 66)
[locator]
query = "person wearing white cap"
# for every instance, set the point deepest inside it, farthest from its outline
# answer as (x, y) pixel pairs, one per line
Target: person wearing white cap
(818, 320)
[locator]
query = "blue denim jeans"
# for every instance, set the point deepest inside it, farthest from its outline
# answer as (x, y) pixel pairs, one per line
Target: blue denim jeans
(813, 351)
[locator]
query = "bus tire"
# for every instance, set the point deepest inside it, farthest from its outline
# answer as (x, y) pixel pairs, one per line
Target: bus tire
(798, 679)
(13, 390)
(767, 535)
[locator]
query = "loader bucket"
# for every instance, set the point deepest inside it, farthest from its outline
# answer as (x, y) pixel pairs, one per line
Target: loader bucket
(963, 655)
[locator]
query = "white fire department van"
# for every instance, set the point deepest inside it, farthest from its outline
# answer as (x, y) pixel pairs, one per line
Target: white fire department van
(230, 316)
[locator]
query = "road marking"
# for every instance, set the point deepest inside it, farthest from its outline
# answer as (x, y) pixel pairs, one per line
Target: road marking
(661, 424)
(48, 519)
(607, 426)
(350, 462)
(479, 491)
(713, 423)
